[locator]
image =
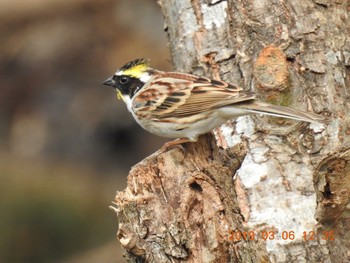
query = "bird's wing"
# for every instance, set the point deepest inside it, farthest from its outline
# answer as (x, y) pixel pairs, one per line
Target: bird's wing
(180, 95)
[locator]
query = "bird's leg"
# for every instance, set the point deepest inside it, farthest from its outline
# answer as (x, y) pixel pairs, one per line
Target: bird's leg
(173, 143)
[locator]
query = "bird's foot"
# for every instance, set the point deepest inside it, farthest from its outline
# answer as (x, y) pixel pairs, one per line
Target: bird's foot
(171, 144)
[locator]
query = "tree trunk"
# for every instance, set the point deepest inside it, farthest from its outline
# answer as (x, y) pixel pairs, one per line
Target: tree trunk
(264, 189)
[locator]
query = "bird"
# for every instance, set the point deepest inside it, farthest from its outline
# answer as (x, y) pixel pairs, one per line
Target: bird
(184, 106)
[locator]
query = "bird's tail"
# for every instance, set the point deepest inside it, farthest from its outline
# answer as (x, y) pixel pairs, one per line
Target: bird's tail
(284, 112)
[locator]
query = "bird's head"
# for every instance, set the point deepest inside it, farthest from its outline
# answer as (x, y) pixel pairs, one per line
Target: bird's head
(130, 78)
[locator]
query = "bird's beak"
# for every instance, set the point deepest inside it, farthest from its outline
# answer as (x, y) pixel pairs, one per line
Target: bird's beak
(109, 82)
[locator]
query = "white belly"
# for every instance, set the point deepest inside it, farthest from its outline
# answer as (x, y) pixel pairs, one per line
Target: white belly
(191, 127)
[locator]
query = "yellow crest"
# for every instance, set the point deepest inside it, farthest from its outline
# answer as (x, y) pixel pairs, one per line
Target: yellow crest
(135, 68)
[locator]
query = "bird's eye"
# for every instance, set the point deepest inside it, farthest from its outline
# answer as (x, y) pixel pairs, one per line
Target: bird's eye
(123, 80)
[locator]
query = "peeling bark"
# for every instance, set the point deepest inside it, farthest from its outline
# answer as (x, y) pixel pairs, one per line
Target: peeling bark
(180, 206)
(290, 192)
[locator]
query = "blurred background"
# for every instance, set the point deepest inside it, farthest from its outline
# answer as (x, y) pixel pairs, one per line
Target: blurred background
(66, 144)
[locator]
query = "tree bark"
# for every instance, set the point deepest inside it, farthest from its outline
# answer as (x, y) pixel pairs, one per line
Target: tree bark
(264, 189)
